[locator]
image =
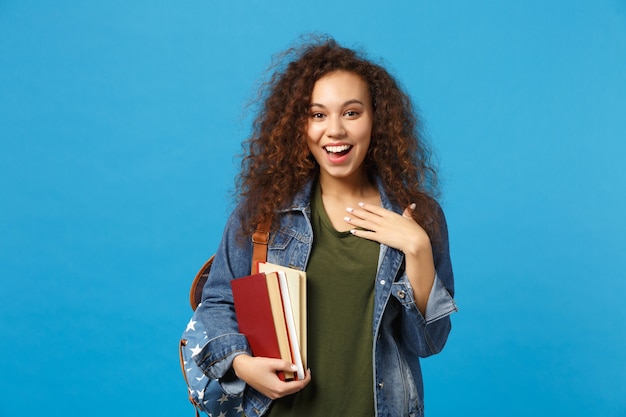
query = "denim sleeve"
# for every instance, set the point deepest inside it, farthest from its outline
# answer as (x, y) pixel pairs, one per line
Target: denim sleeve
(428, 333)
(440, 302)
(425, 335)
(217, 311)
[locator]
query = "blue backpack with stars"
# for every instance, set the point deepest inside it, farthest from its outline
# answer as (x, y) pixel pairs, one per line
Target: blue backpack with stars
(205, 393)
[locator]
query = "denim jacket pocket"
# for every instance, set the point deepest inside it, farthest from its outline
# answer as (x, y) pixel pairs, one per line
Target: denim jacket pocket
(289, 248)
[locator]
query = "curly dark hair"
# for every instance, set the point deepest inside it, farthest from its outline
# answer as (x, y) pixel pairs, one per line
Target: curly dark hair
(277, 163)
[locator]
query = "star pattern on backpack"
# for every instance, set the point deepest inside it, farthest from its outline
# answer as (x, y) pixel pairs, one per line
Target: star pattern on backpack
(204, 392)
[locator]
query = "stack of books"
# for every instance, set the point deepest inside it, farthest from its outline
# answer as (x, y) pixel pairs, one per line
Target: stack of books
(271, 312)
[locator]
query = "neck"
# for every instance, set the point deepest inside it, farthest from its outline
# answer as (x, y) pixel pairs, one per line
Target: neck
(353, 188)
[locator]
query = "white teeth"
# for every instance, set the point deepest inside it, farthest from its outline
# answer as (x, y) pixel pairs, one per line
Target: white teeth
(337, 149)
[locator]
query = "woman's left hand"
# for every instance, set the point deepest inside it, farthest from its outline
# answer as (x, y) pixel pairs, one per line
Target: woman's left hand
(389, 228)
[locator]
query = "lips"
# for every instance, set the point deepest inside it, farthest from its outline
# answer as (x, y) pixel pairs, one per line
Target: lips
(337, 154)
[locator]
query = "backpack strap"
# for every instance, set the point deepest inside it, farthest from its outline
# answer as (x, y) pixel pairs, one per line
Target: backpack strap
(260, 238)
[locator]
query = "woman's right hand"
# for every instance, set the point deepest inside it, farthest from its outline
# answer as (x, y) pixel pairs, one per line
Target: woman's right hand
(260, 374)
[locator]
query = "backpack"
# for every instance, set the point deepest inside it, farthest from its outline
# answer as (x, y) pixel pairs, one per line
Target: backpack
(206, 394)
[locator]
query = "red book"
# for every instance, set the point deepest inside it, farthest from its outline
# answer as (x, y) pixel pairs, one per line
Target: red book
(261, 318)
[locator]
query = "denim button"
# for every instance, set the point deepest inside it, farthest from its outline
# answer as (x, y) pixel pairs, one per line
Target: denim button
(382, 282)
(401, 294)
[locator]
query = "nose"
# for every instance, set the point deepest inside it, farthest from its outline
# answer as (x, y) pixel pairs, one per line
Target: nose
(335, 127)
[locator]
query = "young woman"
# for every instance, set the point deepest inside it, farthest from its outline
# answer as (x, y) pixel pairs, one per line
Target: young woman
(336, 163)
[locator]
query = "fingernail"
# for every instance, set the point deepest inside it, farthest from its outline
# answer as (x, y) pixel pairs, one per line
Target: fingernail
(349, 209)
(347, 218)
(294, 368)
(353, 231)
(412, 206)
(361, 204)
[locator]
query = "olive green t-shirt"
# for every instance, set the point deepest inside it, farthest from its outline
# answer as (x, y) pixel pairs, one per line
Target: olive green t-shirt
(340, 290)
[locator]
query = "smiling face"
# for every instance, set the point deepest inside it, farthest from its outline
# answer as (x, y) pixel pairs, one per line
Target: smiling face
(339, 126)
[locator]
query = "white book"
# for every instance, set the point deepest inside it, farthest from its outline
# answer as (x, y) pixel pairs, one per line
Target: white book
(291, 324)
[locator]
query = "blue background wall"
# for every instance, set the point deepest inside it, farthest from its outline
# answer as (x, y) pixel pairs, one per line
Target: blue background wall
(119, 124)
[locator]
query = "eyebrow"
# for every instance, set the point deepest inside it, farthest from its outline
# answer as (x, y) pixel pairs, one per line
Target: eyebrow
(347, 103)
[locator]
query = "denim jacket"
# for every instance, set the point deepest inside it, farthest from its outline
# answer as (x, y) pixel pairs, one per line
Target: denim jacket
(401, 334)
